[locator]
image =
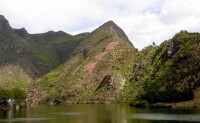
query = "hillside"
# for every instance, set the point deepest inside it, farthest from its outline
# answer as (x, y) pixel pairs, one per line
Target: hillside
(34, 54)
(169, 72)
(100, 67)
(94, 72)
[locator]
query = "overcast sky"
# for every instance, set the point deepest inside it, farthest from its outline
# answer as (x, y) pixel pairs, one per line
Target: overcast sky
(144, 21)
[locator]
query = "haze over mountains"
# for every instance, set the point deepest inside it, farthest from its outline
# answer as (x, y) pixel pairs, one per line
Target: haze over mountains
(99, 67)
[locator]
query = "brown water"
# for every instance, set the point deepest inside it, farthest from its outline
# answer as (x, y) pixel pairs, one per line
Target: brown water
(98, 113)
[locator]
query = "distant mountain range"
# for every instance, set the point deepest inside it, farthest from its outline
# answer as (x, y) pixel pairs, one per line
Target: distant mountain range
(99, 67)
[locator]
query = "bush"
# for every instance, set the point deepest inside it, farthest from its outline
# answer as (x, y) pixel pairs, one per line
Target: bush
(169, 95)
(19, 93)
(5, 94)
(141, 103)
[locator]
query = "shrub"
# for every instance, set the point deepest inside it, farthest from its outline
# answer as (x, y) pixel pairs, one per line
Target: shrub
(5, 94)
(19, 93)
(141, 103)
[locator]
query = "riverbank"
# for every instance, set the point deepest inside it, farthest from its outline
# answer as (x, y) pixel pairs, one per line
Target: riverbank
(195, 103)
(4, 107)
(12, 104)
(191, 104)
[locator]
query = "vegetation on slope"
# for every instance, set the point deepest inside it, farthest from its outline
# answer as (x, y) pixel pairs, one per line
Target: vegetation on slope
(14, 93)
(99, 67)
(77, 80)
(172, 70)
(25, 56)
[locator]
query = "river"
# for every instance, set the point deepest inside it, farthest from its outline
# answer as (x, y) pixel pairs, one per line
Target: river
(99, 113)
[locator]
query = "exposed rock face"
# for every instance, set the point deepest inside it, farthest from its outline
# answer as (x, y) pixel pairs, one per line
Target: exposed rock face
(172, 47)
(23, 33)
(107, 80)
(4, 25)
(85, 52)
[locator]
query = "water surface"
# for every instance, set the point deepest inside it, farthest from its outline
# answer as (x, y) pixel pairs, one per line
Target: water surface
(99, 113)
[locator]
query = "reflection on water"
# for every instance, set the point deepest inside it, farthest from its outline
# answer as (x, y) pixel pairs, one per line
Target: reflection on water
(9, 114)
(25, 119)
(69, 113)
(98, 113)
(167, 117)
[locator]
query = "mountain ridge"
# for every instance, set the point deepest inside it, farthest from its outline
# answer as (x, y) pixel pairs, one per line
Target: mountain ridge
(53, 48)
(100, 67)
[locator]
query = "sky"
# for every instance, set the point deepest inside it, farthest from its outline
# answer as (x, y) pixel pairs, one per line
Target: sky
(144, 21)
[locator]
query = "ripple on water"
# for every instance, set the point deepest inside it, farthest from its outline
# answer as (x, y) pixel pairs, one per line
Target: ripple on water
(70, 113)
(25, 119)
(167, 117)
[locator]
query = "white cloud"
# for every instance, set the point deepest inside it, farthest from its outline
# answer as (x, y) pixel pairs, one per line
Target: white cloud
(144, 21)
(162, 22)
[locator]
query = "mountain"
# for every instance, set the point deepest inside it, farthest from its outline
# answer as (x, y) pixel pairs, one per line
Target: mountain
(12, 50)
(60, 65)
(34, 54)
(101, 67)
(95, 72)
(169, 72)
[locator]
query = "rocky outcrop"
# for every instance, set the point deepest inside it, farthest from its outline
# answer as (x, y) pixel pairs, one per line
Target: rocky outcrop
(23, 33)
(172, 47)
(85, 52)
(4, 25)
(107, 80)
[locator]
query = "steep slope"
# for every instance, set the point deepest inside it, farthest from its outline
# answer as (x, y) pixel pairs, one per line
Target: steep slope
(12, 49)
(100, 67)
(17, 50)
(35, 54)
(95, 72)
(170, 72)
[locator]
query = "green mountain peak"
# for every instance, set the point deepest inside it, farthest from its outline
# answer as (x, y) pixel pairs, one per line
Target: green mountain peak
(99, 67)
(113, 28)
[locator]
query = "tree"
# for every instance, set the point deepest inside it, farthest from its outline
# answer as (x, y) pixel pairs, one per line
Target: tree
(19, 93)
(5, 94)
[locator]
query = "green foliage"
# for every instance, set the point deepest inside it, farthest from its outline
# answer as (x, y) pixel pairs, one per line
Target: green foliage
(43, 58)
(14, 93)
(16, 81)
(140, 103)
(5, 94)
(169, 77)
(51, 76)
(169, 72)
(19, 93)
(72, 82)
